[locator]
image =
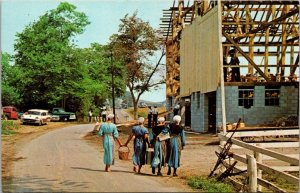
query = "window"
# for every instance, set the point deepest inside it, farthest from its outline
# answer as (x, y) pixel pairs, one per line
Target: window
(246, 96)
(272, 95)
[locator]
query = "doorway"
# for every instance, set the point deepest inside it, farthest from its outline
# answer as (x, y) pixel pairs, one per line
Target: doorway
(187, 112)
(212, 100)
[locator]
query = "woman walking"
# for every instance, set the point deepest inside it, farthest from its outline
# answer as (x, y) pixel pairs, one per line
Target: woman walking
(159, 140)
(177, 141)
(109, 133)
(140, 134)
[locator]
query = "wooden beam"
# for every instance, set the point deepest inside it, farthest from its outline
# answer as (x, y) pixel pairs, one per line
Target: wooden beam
(266, 67)
(275, 21)
(276, 2)
(263, 44)
(251, 54)
(293, 70)
(284, 37)
(270, 186)
(290, 178)
(271, 153)
(246, 56)
(274, 145)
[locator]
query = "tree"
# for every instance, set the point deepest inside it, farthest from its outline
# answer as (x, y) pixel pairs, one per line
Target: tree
(46, 57)
(134, 45)
(96, 86)
(10, 95)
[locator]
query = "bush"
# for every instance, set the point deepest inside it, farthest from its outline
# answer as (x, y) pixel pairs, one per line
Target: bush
(9, 127)
(209, 185)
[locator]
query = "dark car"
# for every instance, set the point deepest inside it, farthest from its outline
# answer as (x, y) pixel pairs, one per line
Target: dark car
(63, 115)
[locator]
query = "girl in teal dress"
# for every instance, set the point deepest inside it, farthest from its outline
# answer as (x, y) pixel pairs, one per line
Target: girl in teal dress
(109, 133)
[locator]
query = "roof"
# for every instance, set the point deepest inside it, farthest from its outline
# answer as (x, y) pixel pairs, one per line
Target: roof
(41, 110)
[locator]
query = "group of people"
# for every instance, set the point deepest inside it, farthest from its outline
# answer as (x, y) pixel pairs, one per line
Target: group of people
(167, 141)
(152, 116)
(103, 116)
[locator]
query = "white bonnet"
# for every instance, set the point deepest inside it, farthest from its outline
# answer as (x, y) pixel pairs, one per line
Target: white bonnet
(161, 119)
(141, 120)
(110, 116)
(177, 118)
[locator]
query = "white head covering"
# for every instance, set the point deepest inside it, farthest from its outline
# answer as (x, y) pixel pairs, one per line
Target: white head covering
(141, 120)
(110, 116)
(161, 119)
(177, 118)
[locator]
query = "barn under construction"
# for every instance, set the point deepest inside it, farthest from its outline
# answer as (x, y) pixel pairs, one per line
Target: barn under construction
(241, 57)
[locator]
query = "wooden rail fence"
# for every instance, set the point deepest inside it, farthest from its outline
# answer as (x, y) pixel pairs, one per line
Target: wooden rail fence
(260, 152)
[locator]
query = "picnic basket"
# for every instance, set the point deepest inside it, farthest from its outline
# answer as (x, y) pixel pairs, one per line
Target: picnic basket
(123, 152)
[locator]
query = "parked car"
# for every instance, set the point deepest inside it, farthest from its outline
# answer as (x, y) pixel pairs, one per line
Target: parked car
(36, 116)
(55, 117)
(62, 114)
(9, 112)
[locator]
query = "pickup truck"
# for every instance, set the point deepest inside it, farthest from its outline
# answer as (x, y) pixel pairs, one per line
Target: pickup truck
(59, 114)
(9, 112)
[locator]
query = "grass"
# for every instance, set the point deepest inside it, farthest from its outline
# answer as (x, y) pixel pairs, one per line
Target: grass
(282, 183)
(208, 184)
(9, 127)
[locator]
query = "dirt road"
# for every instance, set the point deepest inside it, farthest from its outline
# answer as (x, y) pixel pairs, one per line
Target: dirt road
(61, 161)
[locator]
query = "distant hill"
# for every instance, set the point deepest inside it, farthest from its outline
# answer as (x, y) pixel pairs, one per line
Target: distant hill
(150, 103)
(127, 100)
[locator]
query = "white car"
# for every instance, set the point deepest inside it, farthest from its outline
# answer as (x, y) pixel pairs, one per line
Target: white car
(36, 116)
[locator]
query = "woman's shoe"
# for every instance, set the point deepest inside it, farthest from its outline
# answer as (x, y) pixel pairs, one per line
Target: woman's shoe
(159, 173)
(134, 168)
(169, 172)
(153, 170)
(175, 174)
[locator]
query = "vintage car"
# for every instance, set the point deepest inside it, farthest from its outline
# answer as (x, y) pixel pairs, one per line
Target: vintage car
(59, 114)
(36, 116)
(9, 112)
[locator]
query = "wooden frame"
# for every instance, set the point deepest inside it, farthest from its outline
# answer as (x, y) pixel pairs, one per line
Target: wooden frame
(247, 25)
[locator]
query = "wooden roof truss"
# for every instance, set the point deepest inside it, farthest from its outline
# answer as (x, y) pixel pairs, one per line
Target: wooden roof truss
(265, 33)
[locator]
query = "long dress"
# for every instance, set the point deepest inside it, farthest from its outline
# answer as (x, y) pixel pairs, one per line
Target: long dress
(139, 154)
(160, 147)
(177, 140)
(109, 131)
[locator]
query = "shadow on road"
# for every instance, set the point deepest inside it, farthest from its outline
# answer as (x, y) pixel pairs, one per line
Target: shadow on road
(39, 184)
(89, 169)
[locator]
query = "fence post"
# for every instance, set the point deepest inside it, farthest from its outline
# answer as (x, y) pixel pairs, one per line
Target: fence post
(258, 157)
(252, 173)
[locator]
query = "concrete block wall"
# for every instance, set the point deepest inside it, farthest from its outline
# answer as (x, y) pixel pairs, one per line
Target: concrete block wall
(199, 112)
(258, 113)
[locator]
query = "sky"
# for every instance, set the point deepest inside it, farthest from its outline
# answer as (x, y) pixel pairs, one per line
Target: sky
(104, 16)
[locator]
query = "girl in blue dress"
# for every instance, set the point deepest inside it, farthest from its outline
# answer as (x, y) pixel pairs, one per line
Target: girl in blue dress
(160, 146)
(109, 133)
(177, 141)
(140, 134)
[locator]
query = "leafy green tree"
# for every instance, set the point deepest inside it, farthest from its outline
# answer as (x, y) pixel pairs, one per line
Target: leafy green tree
(134, 45)
(10, 95)
(96, 86)
(46, 57)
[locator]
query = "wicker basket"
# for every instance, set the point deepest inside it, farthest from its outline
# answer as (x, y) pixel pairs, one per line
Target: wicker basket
(123, 152)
